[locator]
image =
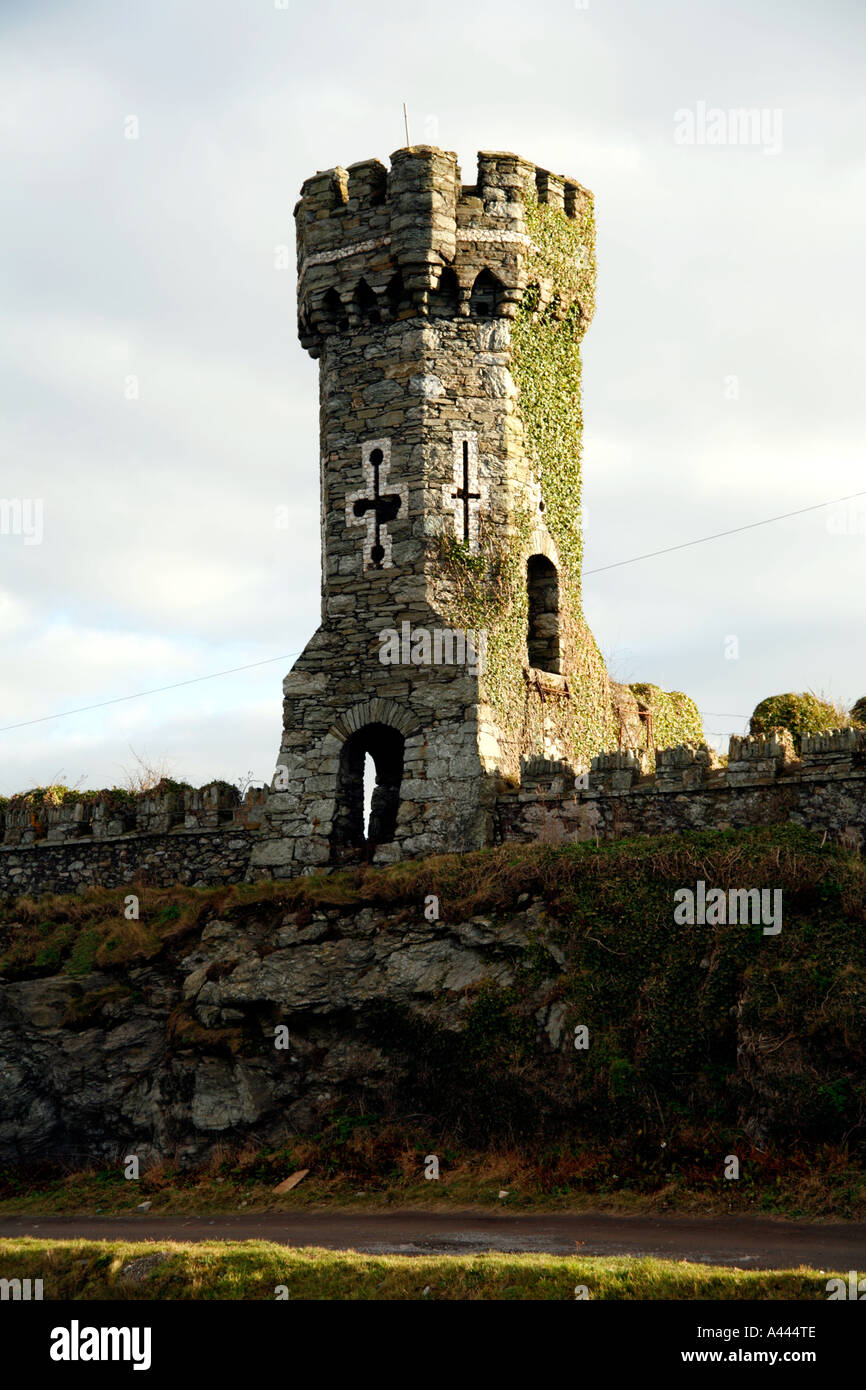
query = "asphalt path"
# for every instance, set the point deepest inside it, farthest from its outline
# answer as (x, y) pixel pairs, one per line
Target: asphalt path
(743, 1242)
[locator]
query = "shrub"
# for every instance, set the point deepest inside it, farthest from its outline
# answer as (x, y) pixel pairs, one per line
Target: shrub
(800, 714)
(38, 797)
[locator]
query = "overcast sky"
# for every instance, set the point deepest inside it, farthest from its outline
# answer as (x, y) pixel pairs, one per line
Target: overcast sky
(723, 378)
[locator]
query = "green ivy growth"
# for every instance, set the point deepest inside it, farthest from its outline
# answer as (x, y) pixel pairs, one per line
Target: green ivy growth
(114, 798)
(489, 589)
(167, 785)
(38, 798)
(557, 308)
(676, 717)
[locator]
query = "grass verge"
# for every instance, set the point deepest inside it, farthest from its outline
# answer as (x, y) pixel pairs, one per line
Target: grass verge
(254, 1270)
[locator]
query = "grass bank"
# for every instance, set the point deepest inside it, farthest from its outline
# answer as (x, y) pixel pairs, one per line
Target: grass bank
(125, 1270)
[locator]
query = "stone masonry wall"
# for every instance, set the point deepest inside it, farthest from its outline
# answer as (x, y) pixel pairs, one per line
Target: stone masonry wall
(764, 783)
(189, 836)
(207, 857)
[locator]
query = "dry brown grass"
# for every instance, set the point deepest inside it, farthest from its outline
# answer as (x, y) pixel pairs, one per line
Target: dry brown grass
(486, 882)
(839, 707)
(128, 942)
(146, 774)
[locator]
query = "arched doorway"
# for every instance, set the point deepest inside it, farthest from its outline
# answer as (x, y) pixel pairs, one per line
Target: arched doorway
(385, 746)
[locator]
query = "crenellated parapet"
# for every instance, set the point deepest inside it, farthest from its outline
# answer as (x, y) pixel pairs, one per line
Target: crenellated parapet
(377, 245)
(29, 820)
(686, 767)
(765, 782)
(833, 753)
(545, 777)
(756, 757)
(752, 759)
(617, 772)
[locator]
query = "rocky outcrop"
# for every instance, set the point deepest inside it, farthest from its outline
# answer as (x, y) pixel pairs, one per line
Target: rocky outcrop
(172, 1060)
(245, 1015)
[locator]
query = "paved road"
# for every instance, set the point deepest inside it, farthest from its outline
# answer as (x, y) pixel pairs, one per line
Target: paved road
(742, 1241)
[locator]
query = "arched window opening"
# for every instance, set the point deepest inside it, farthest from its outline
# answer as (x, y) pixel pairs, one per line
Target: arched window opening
(542, 639)
(366, 303)
(368, 799)
(444, 299)
(486, 296)
(334, 312)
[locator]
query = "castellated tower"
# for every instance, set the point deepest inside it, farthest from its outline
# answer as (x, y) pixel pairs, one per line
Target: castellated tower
(446, 320)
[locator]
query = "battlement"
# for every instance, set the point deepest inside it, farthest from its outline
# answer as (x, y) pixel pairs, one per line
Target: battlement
(687, 766)
(765, 782)
(107, 815)
(376, 245)
(617, 771)
(832, 749)
(752, 760)
(545, 776)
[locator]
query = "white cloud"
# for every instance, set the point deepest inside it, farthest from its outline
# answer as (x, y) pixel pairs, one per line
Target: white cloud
(154, 257)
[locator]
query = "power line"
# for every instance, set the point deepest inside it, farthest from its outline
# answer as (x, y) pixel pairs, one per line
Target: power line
(232, 670)
(140, 694)
(816, 506)
(214, 675)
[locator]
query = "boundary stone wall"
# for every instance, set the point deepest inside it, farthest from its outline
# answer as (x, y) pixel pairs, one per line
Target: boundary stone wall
(199, 842)
(198, 858)
(193, 836)
(764, 783)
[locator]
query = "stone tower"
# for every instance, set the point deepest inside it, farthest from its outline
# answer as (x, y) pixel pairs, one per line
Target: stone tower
(446, 320)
